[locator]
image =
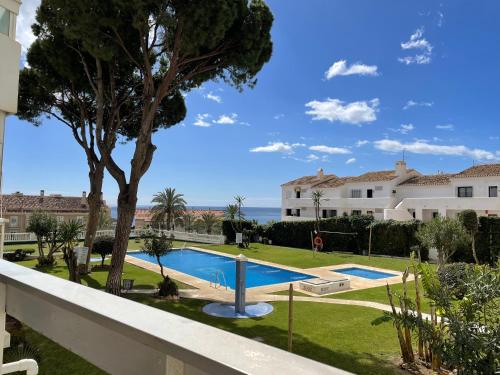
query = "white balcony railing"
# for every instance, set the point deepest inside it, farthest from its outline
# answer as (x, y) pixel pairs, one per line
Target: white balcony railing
(342, 203)
(128, 338)
(182, 236)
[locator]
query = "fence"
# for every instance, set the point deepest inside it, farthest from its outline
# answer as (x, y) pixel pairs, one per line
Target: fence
(182, 236)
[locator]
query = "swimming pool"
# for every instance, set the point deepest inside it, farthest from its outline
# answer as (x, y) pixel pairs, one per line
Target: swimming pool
(364, 272)
(204, 266)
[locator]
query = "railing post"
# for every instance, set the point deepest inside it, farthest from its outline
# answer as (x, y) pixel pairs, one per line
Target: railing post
(3, 318)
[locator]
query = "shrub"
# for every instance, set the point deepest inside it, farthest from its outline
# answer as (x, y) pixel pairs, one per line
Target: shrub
(228, 229)
(167, 288)
(18, 255)
(103, 246)
(452, 276)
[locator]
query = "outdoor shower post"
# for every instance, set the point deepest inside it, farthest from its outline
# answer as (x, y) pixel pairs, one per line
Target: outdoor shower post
(241, 276)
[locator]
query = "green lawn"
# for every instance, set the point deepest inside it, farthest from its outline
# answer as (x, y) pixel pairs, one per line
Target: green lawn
(143, 279)
(379, 294)
(337, 335)
(304, 258)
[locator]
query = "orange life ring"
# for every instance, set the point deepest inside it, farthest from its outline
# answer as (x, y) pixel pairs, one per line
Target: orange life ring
(318, 241)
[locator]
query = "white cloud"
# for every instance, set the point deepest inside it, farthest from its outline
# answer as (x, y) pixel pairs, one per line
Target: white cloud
(212, 96)
(418, 43)
(337, 110)
(445, 127)
(201, 120)
(362, 142)
(330, 150)
(279, 116)
(351, 161)
(412, 103)
(340, 68)
(420, 147)
(404, 128)
(312, 157)
(282, 147)
(440, 20)
(226, 119)
(26, 18)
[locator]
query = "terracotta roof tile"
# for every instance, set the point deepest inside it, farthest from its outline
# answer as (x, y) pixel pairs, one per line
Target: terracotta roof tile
(20, 203)
(375, 176)
(309, 180)
(484, 170)
(333, 182)
(437, 179)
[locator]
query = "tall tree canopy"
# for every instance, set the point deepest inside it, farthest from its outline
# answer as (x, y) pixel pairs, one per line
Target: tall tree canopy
(135, 55)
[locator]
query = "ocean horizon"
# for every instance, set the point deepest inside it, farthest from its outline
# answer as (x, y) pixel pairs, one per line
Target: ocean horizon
(261, 214)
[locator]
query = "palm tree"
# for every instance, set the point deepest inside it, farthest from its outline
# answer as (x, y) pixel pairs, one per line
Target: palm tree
(188, 221)
(209, 219)
(317, 195)
(230, 212)
(168, 206)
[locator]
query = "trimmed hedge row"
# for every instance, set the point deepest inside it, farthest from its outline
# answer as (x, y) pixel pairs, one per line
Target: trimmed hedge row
(487, 243)
(388, 237)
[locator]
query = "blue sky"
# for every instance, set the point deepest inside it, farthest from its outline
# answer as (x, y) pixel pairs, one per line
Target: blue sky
(351, 84)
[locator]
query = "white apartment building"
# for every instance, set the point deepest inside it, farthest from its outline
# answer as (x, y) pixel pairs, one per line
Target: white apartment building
(399, 194)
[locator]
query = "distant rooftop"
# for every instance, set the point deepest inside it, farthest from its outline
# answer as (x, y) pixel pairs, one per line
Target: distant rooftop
(18, 202)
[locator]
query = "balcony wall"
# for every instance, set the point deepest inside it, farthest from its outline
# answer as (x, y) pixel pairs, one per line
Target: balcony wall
(127, 338)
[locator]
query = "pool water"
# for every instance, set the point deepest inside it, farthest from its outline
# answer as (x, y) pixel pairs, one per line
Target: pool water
(204, 266)
(364, 272)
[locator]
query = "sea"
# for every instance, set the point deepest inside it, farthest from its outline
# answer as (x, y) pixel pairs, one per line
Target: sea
(261, 214)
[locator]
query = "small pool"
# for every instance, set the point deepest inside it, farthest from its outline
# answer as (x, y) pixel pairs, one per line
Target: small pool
(364, 272)
(204, 266)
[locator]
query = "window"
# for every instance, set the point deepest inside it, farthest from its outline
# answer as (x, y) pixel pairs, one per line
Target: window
(369, 213)
(4, 21)
(493, 191)
(297, 212)
(288, 212)
(13, 221)
(79, 219)
(356, 213)
(369, 193)
(297, 194)
(329, 213)
(356, 193)
(464, 192)
(435, 214)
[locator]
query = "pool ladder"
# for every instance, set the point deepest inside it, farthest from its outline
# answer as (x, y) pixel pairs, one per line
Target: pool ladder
(218, 276)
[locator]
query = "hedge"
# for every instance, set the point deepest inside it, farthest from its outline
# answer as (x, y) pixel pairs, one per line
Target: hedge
(487, 243)
(228, 230)
(388, 237)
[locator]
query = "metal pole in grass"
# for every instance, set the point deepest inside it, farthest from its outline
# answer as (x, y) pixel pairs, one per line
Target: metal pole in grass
(370, 243)
(290, 317)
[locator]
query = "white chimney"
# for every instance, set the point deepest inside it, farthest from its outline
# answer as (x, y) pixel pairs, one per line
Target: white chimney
(401, 168)
(320, 173)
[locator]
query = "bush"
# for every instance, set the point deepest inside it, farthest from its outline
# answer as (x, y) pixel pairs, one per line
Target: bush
(167, 288)
(103, 246)
(487, 243)
(452, 276)
(228, 230)
(18, 255)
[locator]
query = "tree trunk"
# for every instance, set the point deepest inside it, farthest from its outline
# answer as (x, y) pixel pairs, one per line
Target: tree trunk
(474, 254)
(126, 209)
(95, 204)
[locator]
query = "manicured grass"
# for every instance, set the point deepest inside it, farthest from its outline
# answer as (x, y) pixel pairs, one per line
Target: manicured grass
(143, 279)
(379, 294)
(341, 336)
(305, 259)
